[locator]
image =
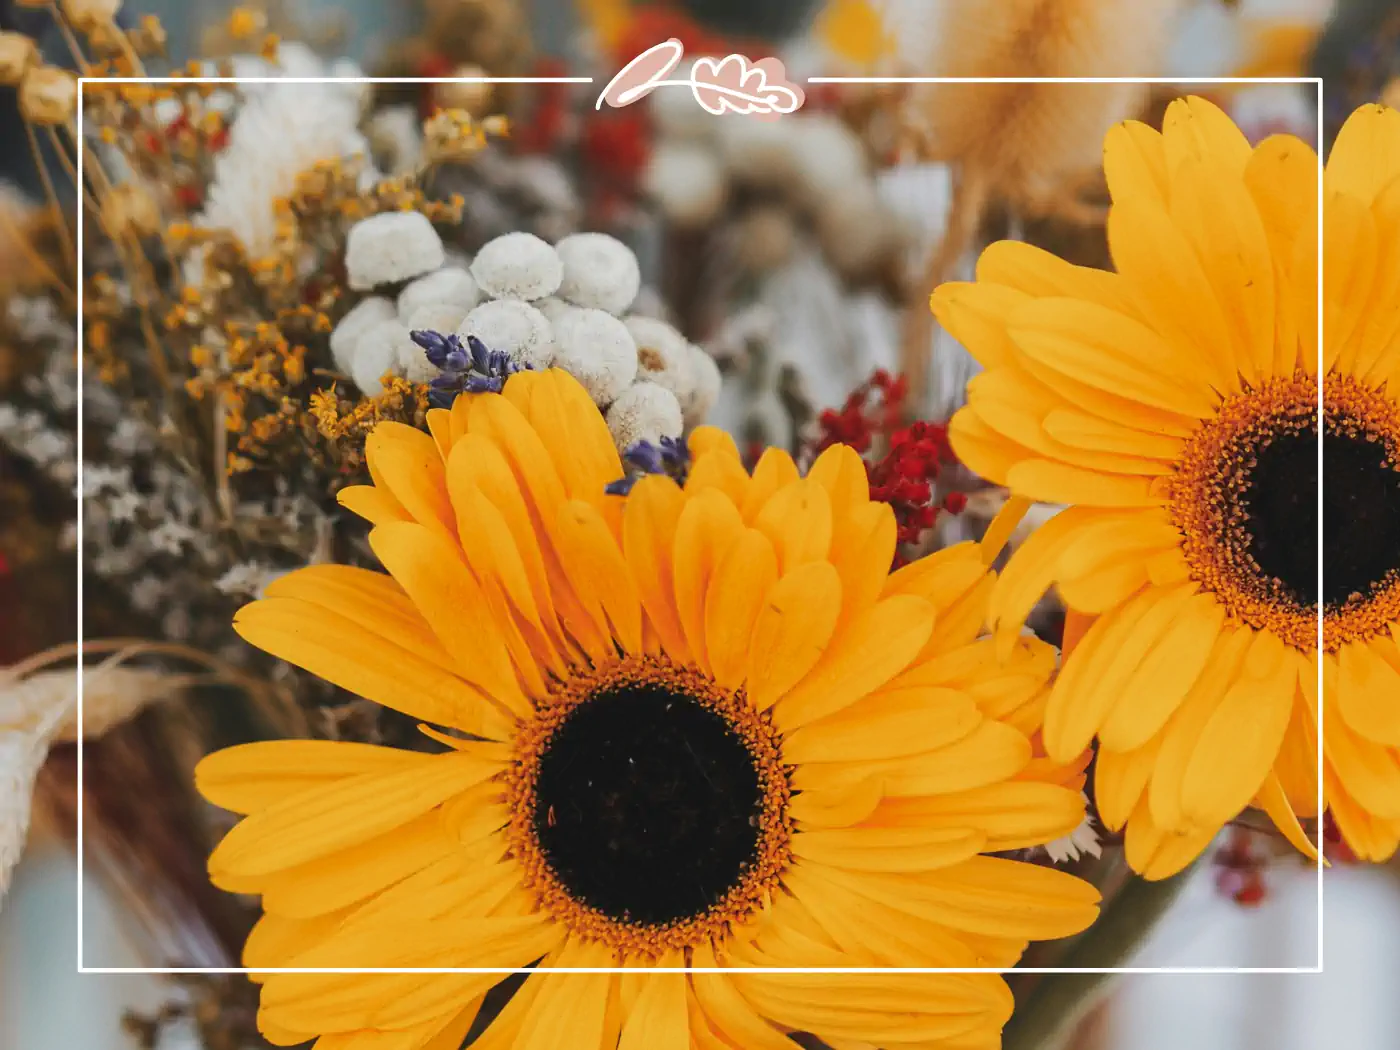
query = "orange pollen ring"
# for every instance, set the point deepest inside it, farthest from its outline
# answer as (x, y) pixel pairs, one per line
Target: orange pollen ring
(759, 878)
(1205, 502)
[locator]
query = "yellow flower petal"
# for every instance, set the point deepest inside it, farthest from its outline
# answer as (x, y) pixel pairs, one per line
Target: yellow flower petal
(311, 824)
(707, 527)
(737, 590)
(1368, 693)
(1135, 163)
(362, 661)
(1111, 351)
(774, 471)
(797, 519)
(888, 849)
(374, 504)
(1167, 671)
(1238, 744)
(886, 724)
(432, 573)
(876, 647)
(350, 875)
(372, 599)
(1366, 155)
(649, 522)
(408, 462)
(597, 572)
(1012, 815)
(250, 777)
(792, 631)
(1120, 778)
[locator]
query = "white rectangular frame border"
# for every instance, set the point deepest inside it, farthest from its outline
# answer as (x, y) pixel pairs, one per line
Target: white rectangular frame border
(504, 971)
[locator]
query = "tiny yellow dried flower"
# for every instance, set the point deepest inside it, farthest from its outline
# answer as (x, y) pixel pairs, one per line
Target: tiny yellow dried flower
(17, 53)
(149, 36)
(48, 95)
(244, 22)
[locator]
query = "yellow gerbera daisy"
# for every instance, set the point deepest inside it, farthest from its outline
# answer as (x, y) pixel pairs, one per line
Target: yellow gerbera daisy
(698, 726)
(1361, 516)
(1172, 404)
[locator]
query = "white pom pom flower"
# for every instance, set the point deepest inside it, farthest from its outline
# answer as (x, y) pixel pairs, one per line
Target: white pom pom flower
(599, 272)
(553, 308)
(391, 247)
(596, 349)
(449, 285)
(663, 355)
(704, 389)
(436, 317)
(377, 352)
(517, 266)
(363, 316)
(514, 328)
(687, 183)
(644, 411)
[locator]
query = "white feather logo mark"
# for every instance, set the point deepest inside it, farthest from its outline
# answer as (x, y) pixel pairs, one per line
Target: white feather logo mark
(731, 84)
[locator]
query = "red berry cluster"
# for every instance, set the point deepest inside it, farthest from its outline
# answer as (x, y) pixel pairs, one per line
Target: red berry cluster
(913, 456)
(872, 409)
(1240, 869)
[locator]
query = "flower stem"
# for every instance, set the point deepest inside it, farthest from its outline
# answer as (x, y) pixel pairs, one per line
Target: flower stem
(1048, 1010)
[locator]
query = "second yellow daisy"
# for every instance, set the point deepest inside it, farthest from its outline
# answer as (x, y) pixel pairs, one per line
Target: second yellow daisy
(1172, 405)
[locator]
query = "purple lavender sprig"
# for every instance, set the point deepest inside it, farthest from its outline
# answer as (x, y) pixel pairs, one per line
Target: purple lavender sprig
(670, 457)
(470, 369)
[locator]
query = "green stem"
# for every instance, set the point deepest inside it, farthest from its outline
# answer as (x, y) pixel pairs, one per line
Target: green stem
(1050, 1008)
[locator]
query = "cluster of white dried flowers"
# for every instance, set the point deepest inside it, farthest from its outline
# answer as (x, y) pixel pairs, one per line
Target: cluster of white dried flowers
(40, 709)
(278, 132)
(399, 259)
(563, 305)
(810, 169)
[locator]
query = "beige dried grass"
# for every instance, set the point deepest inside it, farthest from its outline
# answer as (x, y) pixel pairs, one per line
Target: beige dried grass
(40, 707)
(1029, 147)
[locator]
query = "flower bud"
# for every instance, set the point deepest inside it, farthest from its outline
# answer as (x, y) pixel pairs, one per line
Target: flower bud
(48, 95)
(472, 96)
(87, 15)
(17, 54)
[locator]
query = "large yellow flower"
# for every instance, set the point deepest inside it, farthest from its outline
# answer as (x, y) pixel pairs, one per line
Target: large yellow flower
(1361, 481)
(699, 726)
(1172, 404)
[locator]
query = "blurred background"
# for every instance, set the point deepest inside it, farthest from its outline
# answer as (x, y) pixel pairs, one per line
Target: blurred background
(798, 299)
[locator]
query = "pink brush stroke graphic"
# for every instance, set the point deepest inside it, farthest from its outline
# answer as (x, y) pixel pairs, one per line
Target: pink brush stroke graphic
(731, 84)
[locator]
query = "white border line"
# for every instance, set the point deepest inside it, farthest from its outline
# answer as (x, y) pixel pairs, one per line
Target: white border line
(504, 971)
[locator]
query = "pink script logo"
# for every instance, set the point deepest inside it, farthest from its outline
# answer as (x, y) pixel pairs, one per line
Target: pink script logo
(727, 85)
